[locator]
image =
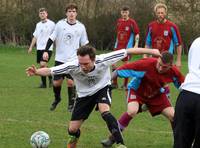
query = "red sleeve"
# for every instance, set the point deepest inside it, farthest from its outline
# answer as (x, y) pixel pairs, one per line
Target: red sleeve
(178, 74)
(139, 65)
(135, 27)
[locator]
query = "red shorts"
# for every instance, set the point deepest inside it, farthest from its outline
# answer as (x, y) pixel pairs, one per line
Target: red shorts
(155, 105)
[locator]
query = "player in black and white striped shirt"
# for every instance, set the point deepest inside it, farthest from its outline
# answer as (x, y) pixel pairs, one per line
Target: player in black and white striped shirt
(92, 78)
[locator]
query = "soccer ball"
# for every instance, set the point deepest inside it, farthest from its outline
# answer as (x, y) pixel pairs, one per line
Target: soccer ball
(40, 139)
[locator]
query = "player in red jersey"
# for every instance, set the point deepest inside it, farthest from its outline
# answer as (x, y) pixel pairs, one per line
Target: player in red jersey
(149, 76)
(127, 37)
(164, 35)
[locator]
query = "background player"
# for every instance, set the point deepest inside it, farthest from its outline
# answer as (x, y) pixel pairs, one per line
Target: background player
(69, 34)
(40, 37)
(127, 37)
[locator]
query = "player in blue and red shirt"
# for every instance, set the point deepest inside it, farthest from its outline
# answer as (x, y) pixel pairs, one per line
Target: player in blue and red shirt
(127, 37)
(149, 76)
(163, 34)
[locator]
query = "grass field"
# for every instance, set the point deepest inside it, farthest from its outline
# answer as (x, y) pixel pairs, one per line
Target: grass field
(24, 109)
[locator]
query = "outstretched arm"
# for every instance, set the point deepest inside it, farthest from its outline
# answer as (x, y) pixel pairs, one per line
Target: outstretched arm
(154, 52)
(33, 71)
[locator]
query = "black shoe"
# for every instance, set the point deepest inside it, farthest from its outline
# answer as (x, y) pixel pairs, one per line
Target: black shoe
(42, 86)
(108, 142)
(53, 105)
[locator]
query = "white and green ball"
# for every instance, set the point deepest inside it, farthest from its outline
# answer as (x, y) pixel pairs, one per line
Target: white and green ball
(40, 139)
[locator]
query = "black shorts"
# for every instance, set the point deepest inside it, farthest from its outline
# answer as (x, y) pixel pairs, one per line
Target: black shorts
(61, 76)
(84, 106)
(40, 56)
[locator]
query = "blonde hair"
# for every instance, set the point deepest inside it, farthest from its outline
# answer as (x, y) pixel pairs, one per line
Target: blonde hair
(160, 5)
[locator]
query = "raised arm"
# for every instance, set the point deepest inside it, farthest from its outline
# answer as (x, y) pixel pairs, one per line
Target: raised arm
(154, 52)
(33, 71)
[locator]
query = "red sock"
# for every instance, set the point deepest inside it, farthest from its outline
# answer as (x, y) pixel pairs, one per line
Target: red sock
(124, 120)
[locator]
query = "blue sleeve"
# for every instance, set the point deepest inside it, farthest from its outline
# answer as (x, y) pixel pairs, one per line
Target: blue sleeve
(127, 73)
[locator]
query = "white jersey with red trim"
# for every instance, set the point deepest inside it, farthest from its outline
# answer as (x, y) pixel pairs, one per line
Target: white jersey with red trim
(68, 38)
(89, 83)
(42, 32)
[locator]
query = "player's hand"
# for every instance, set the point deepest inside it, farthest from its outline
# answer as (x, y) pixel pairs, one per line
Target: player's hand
(29, 50)
(45, 56)
(178, 65)
(156, 52)
(31, 71)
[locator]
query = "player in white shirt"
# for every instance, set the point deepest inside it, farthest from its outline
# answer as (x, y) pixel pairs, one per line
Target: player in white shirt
(69, 35)
(187, 109)
(43, 30)
(93, 79)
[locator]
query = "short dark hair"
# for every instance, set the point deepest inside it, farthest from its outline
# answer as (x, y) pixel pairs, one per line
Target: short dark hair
(71, 6)
(125, 8)
(167, 57)
(87, 50)
(42, 9)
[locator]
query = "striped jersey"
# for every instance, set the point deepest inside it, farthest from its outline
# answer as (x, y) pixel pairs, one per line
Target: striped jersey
(68, 38)
(42, 32)
(88, 84)
(163, 36)
(192, 79)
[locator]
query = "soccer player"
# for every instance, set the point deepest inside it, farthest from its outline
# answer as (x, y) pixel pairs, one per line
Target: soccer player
(93, 79)
(68, 35)
(43, 30)
(187, 109)
(127, 37)
(147, 87)
(164, 35)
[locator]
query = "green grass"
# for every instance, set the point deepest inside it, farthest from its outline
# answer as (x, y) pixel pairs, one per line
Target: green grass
(24, 109)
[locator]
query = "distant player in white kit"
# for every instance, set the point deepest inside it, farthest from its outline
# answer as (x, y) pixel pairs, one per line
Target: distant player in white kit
(92, 77)
(43, 30)
(68, 35)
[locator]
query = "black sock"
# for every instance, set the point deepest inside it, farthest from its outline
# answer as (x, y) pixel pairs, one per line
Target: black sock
(113, 126)
(76, 134)
(50, 79)
(71, 95)
(57, 91)
(43, 78)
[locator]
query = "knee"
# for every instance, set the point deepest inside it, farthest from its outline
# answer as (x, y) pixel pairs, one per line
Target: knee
(132, 112)
(73, 129)
(70, 83)
(57, 83)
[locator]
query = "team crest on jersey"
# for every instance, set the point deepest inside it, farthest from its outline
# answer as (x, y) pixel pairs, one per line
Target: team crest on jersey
(126, 28)
(166, 32)
(132, 97)
(68, 38)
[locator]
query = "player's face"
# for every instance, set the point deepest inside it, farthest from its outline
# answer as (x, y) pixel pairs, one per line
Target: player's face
(161, 15)
(43, 15)
(71, 14)
(85, 63)
(125, 14)
(161, 67)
